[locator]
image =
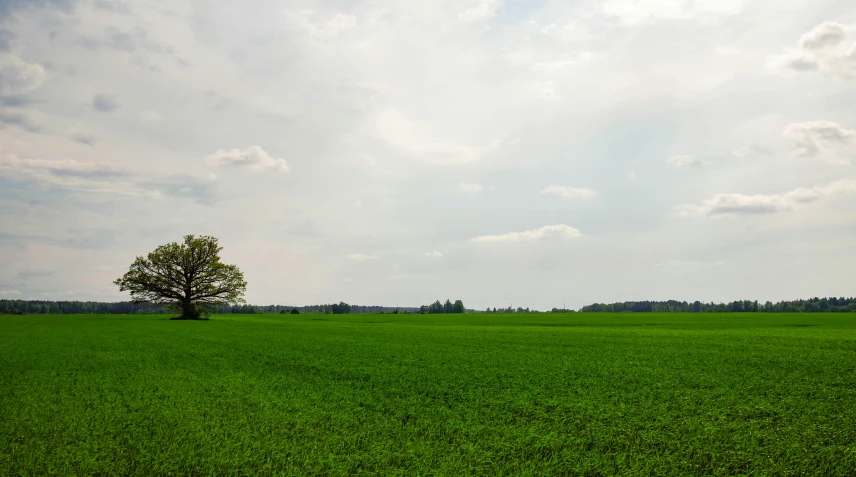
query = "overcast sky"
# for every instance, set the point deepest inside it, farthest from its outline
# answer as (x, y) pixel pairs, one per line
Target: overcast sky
(380, 152)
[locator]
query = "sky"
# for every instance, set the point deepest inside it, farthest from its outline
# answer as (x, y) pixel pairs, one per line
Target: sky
(532, 153)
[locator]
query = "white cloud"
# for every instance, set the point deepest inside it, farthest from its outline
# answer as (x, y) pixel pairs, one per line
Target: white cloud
(18, 76)
(726, 204)
(750, 150)
(149, 116)
(734, 203)
(677, 263)
(727, 51)
(822, 49)
(339, 23)
(824, 35)
(547, 231)
(482, 10)
(741, 152)
(212, 176)
(253, 157)
(639, 11)
(545, 90)
(636, 11)
(319, 28)
(406, 136)
(632, 176)
(824, 140)
(434, 254)
(470, 189)
(558, 66)
(687, 162)
(686, 264)
(7, 293)
(360, 257)
(569, 192)
(367, 160)
(553, 66)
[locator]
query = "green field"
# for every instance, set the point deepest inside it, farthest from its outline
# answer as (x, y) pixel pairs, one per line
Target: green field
(522, 394)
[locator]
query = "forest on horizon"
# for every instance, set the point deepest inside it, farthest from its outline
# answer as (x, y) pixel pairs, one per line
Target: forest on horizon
(811, 305)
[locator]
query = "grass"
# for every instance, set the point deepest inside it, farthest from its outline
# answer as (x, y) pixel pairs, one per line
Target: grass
(576, 394)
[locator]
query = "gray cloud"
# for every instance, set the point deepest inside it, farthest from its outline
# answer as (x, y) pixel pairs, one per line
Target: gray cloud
(64, 168)
(17, 101)
(799, 61)
(135, 41)
(686, 264)
(183, 186)
(90, 239)
(113, 6)
(304, 228)
(106, 178)
(19, 76)
(128, 41)
(122, 41)
(28, 274)
(104, 103)
(6, 39)
(83, 139)
(7, 7)
(20, 120)
(214, 100)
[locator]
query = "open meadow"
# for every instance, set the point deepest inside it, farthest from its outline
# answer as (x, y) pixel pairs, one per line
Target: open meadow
(516, 394)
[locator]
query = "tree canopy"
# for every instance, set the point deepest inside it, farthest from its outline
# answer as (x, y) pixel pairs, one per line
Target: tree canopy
(186, 277)
(830, 304)
(448, 307)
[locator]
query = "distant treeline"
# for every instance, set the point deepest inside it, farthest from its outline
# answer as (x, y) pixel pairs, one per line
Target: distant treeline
(831, 304)
(65, 307)
(328, 309)
(344, 308)
(509, 309)
(448, 307)
(127, 307)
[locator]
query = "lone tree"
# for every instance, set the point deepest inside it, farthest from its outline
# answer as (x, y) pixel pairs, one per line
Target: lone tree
(186, 277)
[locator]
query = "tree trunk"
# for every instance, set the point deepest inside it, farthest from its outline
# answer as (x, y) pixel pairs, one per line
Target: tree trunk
(189, 311)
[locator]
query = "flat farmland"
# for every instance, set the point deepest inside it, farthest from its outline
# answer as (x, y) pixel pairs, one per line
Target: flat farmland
(483, 394)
